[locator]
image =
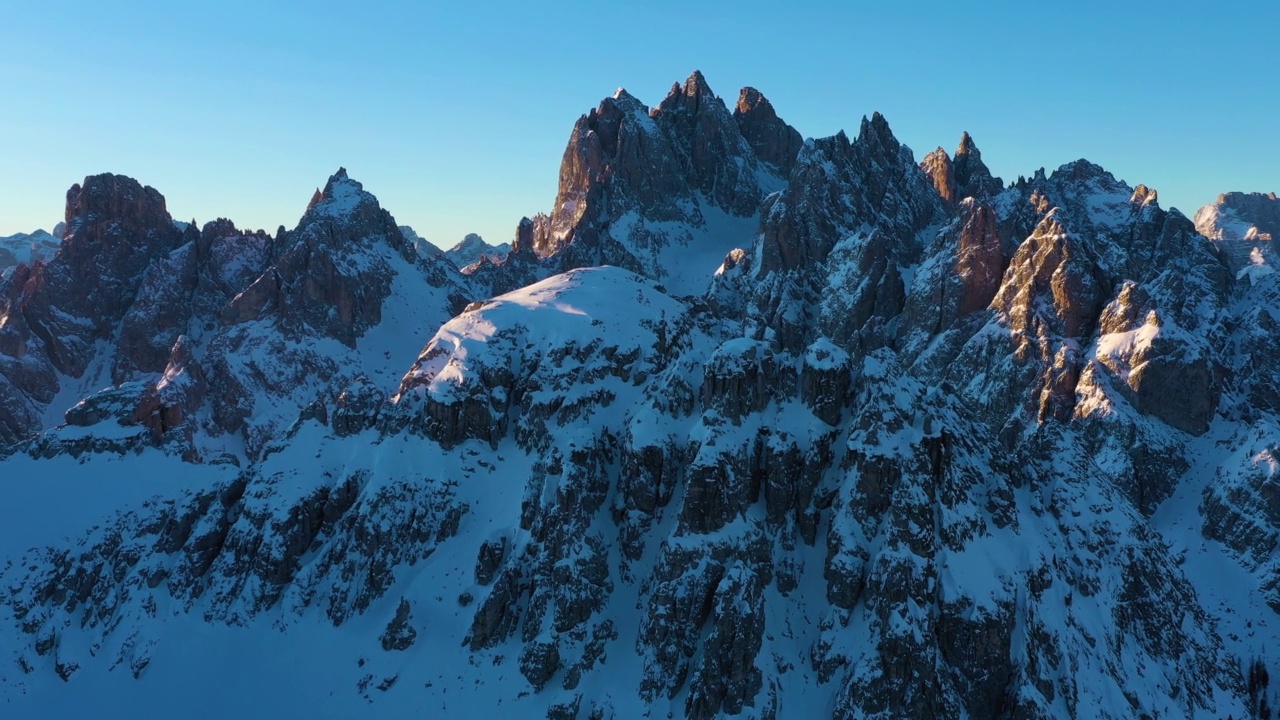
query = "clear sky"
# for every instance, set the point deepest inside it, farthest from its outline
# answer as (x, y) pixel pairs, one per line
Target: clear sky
(455, 114)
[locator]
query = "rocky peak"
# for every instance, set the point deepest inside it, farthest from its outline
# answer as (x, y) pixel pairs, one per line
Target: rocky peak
(752, 100)
(1143, 196)
(472, 240)
(219, 229)
(973, 179)
(688, 97)
(963, 176)
(55, 315)
(895, 188)
(1118, 224)
(473, 249)
(707, 138)
(773, 141)
(938, 167)
(332, 277)
(874, 133)
(1259, 209)
(107, 199)
(320, 313)
(341, 197)
(27, 248)
(1083, 170)
(840, 188)
(637, 186)
(524, 238)
(615, 144)
(472, 244)
(116, 228)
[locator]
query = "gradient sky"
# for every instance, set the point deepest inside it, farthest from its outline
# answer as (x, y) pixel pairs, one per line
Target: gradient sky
(456, 114)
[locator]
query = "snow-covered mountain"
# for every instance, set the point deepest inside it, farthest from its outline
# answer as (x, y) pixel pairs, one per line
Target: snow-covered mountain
(26, 248)
(1243, 225)
(473, 248)
(748, 426)
(424, 247)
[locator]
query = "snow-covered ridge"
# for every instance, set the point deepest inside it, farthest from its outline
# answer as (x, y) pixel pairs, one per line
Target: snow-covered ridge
(554, 309)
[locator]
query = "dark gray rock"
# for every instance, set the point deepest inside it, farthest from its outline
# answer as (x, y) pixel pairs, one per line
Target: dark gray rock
(539, 662)
(400, 633)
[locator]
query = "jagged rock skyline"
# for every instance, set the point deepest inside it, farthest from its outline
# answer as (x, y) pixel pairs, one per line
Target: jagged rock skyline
(501, 230)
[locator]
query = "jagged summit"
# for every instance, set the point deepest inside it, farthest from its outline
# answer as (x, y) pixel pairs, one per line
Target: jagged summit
(961, 176)
(973, 179)
(695, 89)
(750, 99)
(341, 196)
(1083, 169)
(336, 268)
(774, 141)
(473, 249)
(875, 130)
(664, 191)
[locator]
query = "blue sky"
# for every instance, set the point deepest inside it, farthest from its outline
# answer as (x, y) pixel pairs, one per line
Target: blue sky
(456, 114)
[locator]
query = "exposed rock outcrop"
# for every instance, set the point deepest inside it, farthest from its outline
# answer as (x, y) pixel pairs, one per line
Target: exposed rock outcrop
(773, 141)
(654, 189)
(56, 316)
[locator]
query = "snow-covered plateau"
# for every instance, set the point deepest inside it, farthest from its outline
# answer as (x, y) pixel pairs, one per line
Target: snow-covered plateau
(748, 426)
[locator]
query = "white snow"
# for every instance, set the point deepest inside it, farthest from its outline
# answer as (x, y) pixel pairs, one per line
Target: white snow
(343, 197)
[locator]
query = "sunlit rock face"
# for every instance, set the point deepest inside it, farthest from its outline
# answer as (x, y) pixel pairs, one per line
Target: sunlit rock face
(663, 191)
(747, 425)
(1243, 225)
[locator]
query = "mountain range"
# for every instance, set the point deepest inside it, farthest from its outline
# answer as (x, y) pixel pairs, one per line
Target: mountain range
(747, 425)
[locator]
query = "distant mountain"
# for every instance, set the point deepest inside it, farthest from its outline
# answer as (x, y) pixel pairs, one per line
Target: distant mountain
(748, 425)
(422, 246)
(26, 248)
(1244, 225)
(472, 248)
